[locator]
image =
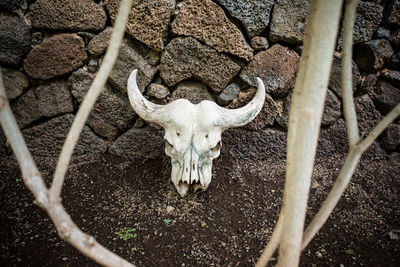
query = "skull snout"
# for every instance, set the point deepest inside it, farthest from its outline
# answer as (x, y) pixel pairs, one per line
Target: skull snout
(191, 172)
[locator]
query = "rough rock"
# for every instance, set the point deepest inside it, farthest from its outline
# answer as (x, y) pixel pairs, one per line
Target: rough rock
(385, 97)
(15, 82)
(391, 76)
(288, 21)
(75, 15)
(382, 33)
(266, 116)
(368, 83)
(394, 15)
(56, 56)
(277, 68)
(332, 110)
(47, 100)
(394, 62)
(390, 138)
(207, 22)
(243, 98)
(139, 143)
(367, 115)
(254, 145)
(112, 113)
(130, 58)
(334, 141)
(195, 92)
(148, 20)
(228, 94)
(99, 43)
(158, 91)
(394, 39)
(185, 58)
(253, 14)
(15, 39)
(46, 139)
(335, 82)
(11, 5)
(373, 55)
(368, 17)
(259, 43)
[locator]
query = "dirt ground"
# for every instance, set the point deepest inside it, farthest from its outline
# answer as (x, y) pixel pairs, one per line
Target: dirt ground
(132, 208)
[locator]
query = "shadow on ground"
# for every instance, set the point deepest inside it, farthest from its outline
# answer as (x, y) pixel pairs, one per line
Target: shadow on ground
(228, 225)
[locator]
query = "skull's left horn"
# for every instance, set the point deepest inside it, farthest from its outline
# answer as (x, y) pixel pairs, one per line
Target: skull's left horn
(145, 109)
(241, 116)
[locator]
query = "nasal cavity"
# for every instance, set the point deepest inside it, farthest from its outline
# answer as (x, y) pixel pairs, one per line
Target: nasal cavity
(194, 166)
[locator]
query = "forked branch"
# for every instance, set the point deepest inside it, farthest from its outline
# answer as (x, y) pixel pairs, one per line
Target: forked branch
(47, 199)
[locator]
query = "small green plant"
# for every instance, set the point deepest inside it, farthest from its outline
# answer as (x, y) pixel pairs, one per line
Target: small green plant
(167, 221)
(127, 233)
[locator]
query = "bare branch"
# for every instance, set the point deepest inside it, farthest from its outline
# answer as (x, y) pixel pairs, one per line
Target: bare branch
(389, 118)
(272, 244)
(90, 99)
(347, 54)
(356, 147)
(66, 228)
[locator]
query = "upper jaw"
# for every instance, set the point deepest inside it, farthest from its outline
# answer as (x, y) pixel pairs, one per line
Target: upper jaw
(184, 183)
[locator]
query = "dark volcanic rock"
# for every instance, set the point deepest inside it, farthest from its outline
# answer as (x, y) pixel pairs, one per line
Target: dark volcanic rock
(368, 117)
(15, 82)
(259, 43)
(11, 5)
(47, 100)
(148, 20)
(139, 143)
(334, 141)
(254, 145)
(99, 43)
(58, 55)
(385, 97)
(335, 82)
(394, 15)
(265, 117)
(158, 91)
(332, 110)
(195, 92)
(76, 15)
(47, 138)
(394, 63)
(15, 39)
(185, 58)
(277, 68)
(112, 113)
(368, 18)
(253, 14)
(288, 22)
(130, 58)
(368, 83)
(373, 55)
(207, 22)
(390, 138)
(228, 94)
(395, 39)
(391, 76)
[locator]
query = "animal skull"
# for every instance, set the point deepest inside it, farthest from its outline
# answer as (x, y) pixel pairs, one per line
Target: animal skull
(193, 132)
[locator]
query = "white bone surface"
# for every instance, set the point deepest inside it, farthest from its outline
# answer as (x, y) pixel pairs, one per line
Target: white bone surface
(193, 132)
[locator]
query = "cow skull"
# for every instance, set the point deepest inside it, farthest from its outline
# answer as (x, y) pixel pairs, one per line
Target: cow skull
(193, 132)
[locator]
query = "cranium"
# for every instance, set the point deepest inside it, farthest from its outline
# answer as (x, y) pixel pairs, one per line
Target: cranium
(193, 132)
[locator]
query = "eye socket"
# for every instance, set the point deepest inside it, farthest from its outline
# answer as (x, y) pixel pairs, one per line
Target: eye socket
(217, 147)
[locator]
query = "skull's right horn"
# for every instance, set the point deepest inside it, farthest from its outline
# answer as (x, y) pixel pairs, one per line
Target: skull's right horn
(145, 109)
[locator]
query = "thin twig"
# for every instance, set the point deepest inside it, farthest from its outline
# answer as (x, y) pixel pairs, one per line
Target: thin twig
(310, 89)
(66, 228)
(357, 147)
(272, 245)
(90, 99)
(347, 89)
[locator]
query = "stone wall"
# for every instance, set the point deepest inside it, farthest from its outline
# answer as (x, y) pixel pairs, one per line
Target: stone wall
(50, 51)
